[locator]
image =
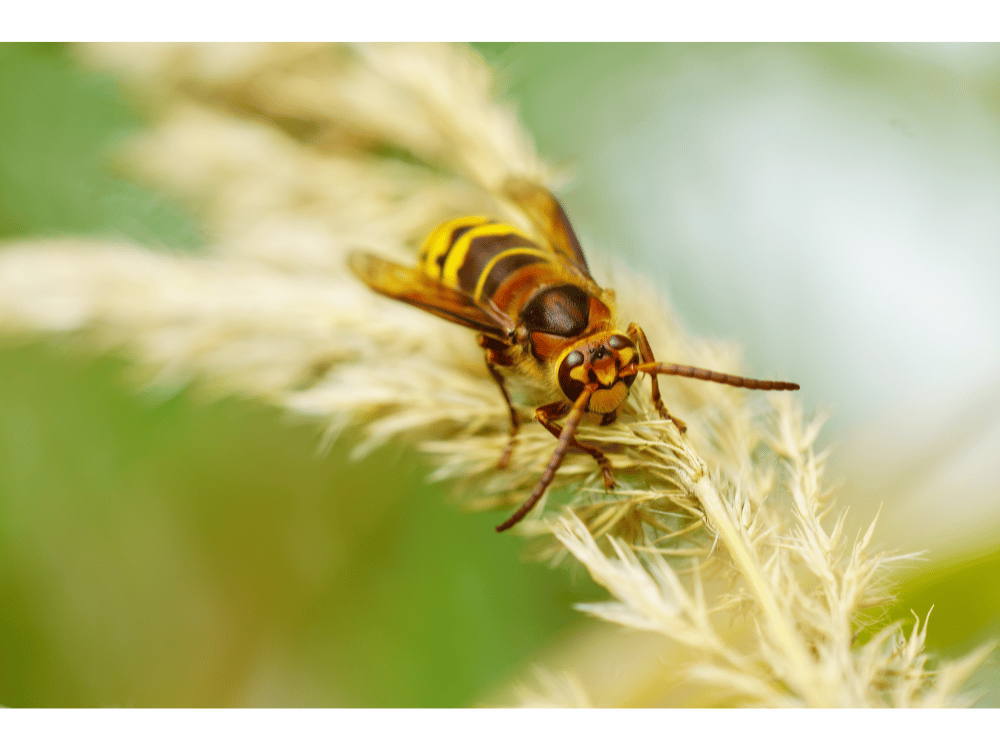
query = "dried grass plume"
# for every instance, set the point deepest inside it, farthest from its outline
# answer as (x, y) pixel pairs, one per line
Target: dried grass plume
(724, 542)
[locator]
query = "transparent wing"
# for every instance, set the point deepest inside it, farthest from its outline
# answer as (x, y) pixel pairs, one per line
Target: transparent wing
(549, 218)
(413, 286)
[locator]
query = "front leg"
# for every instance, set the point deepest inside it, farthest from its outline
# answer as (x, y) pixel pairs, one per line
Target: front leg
(549, 413)
(646, 355)
(566, 440)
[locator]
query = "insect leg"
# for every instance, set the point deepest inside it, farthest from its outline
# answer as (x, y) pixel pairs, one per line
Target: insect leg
(565, 440)
(549, 413)
(496, 356)
(646, 354)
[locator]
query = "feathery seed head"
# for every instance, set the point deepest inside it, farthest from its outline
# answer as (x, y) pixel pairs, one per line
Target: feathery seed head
(298, 154)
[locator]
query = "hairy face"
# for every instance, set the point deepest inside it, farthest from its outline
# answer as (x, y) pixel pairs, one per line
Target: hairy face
(598, 359)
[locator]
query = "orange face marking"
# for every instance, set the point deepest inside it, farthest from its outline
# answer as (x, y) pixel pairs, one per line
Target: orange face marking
(606, 370)
(598, 359)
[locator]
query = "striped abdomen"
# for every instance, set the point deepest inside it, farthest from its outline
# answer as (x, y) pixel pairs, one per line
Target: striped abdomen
(482, 257)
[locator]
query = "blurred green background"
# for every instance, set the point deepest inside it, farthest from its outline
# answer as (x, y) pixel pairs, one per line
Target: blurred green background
(160, 550)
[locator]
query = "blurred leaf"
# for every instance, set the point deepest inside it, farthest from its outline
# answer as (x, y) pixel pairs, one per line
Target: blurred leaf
(166, 552)
(60, 129)
(963, 593)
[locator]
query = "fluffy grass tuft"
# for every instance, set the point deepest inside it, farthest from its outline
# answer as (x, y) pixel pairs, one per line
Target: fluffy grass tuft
(724, 542)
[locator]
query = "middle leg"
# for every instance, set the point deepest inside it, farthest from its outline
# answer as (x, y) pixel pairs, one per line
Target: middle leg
(496, 355)
(646, 354)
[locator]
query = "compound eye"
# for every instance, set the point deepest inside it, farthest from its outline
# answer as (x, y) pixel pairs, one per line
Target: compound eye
(572, 365)
(619, 342)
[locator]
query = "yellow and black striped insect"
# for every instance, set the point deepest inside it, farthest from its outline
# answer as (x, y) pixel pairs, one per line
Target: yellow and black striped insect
(537, 309)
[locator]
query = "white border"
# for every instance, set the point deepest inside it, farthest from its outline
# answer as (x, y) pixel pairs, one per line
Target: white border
(499, 20)
(486, 729)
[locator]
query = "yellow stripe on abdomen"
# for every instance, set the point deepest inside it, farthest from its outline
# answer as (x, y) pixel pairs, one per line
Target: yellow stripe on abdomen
(475, 255)
(524, 254)
(440, 243)
(460, 255)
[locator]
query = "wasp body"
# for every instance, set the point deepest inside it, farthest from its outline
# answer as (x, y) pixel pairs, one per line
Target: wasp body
(536, 307)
